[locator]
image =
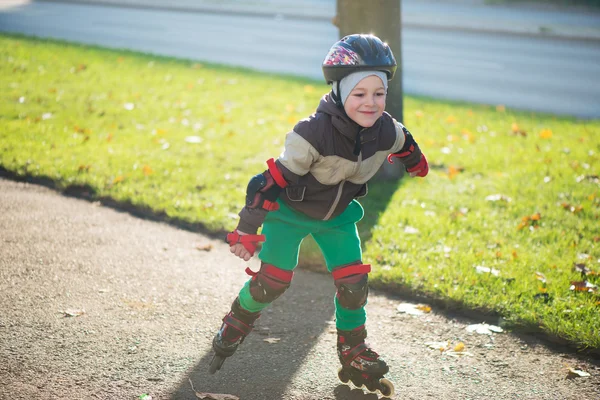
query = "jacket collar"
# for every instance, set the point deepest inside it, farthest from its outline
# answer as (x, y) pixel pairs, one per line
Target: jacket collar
(344, 124)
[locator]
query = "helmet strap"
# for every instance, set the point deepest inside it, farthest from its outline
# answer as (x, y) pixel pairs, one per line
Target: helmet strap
(336, 95)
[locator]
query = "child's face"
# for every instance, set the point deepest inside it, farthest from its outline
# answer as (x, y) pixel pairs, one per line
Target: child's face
(366, 101)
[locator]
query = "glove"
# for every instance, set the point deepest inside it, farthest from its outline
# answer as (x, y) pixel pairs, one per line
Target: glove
(421, 169)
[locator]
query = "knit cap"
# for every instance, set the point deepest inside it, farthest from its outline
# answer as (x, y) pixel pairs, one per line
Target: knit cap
(350, 81)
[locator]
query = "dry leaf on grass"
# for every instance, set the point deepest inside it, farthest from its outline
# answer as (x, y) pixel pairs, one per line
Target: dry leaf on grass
(583, 286)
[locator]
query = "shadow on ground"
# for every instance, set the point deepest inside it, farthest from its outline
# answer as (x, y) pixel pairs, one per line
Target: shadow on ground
(260, 370)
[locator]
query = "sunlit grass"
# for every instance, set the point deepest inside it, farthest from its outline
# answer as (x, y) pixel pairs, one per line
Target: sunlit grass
(183, 138)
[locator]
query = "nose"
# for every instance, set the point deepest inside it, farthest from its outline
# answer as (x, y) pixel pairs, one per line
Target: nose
(370, 100)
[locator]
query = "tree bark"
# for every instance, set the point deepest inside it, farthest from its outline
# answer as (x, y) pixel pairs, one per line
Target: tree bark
(382, 19)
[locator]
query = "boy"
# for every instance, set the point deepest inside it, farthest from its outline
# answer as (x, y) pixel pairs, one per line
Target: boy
(311, 189)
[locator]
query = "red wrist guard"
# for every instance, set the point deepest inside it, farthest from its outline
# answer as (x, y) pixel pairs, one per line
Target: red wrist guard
(249, 242)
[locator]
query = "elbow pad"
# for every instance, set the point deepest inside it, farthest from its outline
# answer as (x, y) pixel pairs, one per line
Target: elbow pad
(263, 189)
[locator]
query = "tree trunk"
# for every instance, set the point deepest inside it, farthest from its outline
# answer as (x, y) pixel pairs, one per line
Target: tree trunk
(382, 19)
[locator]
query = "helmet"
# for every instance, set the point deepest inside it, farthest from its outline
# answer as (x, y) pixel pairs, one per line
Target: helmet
(358, 52)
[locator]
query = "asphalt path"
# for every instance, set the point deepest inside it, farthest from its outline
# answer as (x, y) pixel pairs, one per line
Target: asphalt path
(98, 304)
(521, 71)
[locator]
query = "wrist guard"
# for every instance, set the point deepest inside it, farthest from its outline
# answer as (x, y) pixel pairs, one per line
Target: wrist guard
(249, 242)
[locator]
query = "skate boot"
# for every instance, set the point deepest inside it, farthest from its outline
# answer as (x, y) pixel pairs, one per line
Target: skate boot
(237, 324)
(361, 365)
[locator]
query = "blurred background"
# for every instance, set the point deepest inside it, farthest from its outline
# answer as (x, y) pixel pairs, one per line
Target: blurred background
(530, 55)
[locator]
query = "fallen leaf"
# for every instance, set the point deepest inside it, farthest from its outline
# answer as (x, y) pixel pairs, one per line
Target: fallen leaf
(412, 309)
(441, 346)
(147, 170)
(498, 197)
(460, 346)
(204, 247)
(576, 373)
(73, 312)
(480, 269)
(272, 340)
(484, 329)
(193, 139)
(583, 286)
(546, 134)
(212, 396)
(540, 277)
(581, 268)
(454, 170)
(411, 230)
(518, 131)
(424, 307)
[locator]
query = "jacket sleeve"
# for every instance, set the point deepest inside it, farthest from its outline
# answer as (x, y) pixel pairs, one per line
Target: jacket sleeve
(406, 148)
(295, 161)
(297, 157)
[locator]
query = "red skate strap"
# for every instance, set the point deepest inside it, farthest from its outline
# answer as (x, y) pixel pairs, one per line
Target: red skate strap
(355, 352)
(237, 324)
(249, 241)
(351, 270)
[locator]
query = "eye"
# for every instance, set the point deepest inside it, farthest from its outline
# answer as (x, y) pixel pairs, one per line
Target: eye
(358, 94)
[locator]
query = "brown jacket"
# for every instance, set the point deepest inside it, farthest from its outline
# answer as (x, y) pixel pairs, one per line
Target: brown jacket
(325, 166)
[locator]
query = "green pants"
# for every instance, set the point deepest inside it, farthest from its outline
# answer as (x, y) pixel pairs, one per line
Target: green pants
(337, 238)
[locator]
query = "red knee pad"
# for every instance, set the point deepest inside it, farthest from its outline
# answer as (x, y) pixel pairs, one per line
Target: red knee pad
(269, 282)
(352, 285)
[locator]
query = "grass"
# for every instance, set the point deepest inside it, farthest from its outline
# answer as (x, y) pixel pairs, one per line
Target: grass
(182, 139)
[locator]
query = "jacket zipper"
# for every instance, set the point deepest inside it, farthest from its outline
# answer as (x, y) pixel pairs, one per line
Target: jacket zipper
(340, 189)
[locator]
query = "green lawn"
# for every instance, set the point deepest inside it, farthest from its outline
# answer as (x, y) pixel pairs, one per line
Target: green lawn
(505, 223)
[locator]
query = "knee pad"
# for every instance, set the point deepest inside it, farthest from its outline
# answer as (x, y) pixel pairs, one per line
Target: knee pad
(269, 283)
(352, 284)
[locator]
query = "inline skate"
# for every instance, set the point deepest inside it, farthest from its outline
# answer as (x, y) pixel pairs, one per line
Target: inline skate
(237, 324)
(361, 365)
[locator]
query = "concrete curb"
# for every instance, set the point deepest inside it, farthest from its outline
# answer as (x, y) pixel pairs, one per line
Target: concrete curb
(319, 10)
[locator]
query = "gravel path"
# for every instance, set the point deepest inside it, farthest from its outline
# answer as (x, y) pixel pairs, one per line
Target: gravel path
(97, 304)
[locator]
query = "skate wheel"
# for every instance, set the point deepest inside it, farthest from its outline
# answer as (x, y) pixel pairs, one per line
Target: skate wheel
(371, 387)
(343, 376)
(215, 364)
(387, 387)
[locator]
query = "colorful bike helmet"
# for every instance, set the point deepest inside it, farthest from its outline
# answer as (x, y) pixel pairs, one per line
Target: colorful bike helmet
(358, 52)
